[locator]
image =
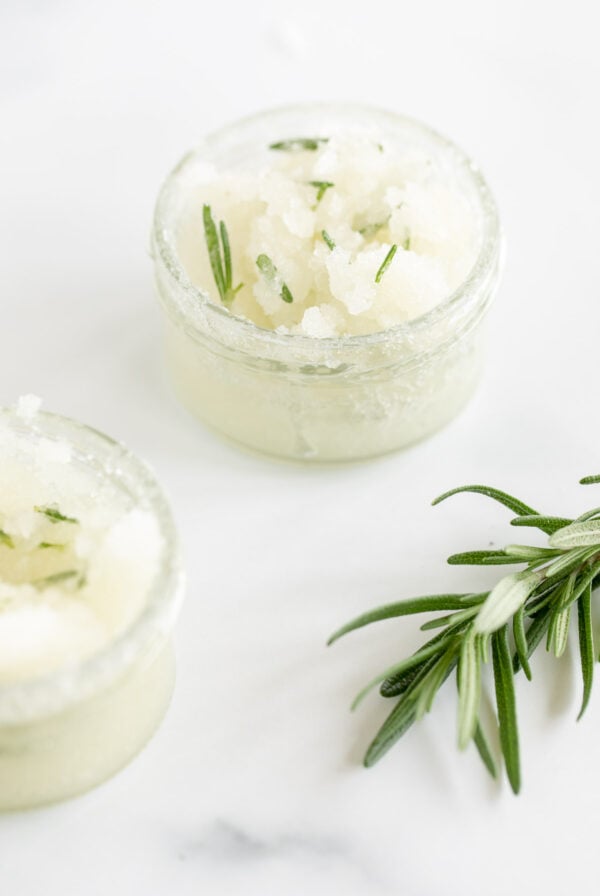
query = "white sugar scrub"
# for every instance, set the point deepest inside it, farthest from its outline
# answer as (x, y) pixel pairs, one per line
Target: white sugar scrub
(324, 272)
(89, 589)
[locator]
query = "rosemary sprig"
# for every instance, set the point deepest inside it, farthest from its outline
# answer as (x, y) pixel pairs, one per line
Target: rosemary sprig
(386, 263)
(299, 144)
(271, 274)
(219, 254)
(52, 513)
(321, 187)
(476, 628)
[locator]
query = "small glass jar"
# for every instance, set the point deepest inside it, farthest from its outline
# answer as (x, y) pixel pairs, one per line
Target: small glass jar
(64, 733)
(327, 399)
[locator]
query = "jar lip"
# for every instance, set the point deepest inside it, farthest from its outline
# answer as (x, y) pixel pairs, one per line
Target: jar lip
(487, 258)
(27, 701)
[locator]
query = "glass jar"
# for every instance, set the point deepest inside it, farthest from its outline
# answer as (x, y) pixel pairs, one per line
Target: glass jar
(64, 733)
(321, 399)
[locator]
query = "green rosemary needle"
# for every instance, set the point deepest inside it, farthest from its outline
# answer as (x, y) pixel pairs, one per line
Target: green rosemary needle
(386, 263)
(369, 230)
(6, 539)
(219, 254)
(321, 187)
(52, 513)
(299, 144)
(58, 578)
(554, 587)
(271, 274)
(327, 239)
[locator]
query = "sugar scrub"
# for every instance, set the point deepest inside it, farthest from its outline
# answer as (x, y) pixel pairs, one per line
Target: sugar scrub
(324, 272)
(310, 230)
(88, 589)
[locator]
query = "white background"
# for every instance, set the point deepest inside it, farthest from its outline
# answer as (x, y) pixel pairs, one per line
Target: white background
(253, 784)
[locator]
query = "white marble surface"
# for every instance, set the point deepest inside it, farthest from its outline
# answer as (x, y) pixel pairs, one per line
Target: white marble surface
(253, 784)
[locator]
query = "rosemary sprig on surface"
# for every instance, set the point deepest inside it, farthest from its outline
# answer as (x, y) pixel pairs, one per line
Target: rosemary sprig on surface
(271, 274)
(504, 625)
(386, 263)
(298, 144)
(219, 254)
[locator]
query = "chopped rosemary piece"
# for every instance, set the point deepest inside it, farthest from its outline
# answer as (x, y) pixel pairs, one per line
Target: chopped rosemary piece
(271, 274)
(297, 144)
(6, 540)
(44, 545)
(370, 230)
(406, 243)
(328, 240)
(52, 513)
(386, 263)
(476, 629)
(321, 186)
(219, 254)
(57, 578)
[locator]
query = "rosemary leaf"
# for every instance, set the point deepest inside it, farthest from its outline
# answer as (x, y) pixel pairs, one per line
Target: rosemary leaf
(321, 187)
(370, 230)
(386, 263)
(521, 641)
(576, 535)
(395, 685)
(482, 558)
(397, 723)
(483, 748)
(547, 524)
(214, 253)
(271, 274)
(502, 497)
(6, 539)
(408, 607)
(586, 645)
(328, 240)
(52, 513)
(504, 599)
(469, 689)
(433, 681)
(559, 630)
(219, 255)
(56, 579)
(595, 511)
(415, 660)
(226, 256)
(536, 631)
(299, 144)
(505, 701)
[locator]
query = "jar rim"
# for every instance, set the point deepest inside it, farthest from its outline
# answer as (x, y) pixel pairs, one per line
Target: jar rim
(484, 265)
(27, 701)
